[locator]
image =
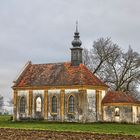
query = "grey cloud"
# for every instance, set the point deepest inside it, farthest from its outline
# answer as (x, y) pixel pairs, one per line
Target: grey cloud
(42, 30)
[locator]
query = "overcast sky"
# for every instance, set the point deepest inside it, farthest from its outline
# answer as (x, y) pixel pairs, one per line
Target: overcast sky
(42, 30)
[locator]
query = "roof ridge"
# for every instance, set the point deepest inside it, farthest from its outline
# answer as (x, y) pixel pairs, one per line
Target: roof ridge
(51, 63)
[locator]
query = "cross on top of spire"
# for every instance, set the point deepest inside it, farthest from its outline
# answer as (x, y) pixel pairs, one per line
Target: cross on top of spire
(76, 25)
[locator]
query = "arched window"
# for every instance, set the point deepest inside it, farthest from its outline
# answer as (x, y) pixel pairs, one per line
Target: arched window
(54, 104)
(117, 111)
(22, 105)
(71, 104)
(38, 104)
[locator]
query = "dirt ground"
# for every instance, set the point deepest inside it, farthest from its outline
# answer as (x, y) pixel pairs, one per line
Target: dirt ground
(14, 134)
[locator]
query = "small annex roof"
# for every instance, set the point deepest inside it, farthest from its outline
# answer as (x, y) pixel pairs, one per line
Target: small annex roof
(119, 97)
(56, 74)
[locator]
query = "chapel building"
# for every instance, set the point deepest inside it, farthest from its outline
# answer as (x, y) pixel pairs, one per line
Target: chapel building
(69, 92)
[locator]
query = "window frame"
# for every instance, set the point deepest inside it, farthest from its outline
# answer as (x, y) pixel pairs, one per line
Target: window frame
(22, 105)
(36, 104)
(117, 111)
(56, 105)
(71, 104)
(68, 104)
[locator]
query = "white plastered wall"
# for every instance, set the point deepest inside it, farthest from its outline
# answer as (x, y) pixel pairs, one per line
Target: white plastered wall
(69, 91)
(135, 113)
(91, 105)
(52, 91)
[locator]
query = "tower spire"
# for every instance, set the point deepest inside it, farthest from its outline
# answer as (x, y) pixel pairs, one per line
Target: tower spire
(76, 50)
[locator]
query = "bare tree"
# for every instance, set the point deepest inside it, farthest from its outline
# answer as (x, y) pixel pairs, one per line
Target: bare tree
(124, 71)
(96, 57)
(121, 71)
(1, 104)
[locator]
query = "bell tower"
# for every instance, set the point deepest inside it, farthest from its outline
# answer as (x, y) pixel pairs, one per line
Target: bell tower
(76, 50)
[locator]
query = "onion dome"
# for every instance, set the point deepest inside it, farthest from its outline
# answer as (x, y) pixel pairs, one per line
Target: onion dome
(76, 42)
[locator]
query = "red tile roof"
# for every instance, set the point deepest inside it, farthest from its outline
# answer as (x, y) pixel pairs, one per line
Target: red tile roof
(57, 74)
(118, 97)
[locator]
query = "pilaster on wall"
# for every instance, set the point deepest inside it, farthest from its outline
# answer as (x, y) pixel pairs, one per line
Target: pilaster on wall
(82, 98)
(98, 105)
(134, 113)
(30, 103)
(62, 95)
(15, 94)
(46, 104)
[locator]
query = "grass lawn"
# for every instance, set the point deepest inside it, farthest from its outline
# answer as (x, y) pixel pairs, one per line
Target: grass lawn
(110, 128)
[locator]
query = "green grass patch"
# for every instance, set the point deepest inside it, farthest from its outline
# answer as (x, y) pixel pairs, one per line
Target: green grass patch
(108, 128)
